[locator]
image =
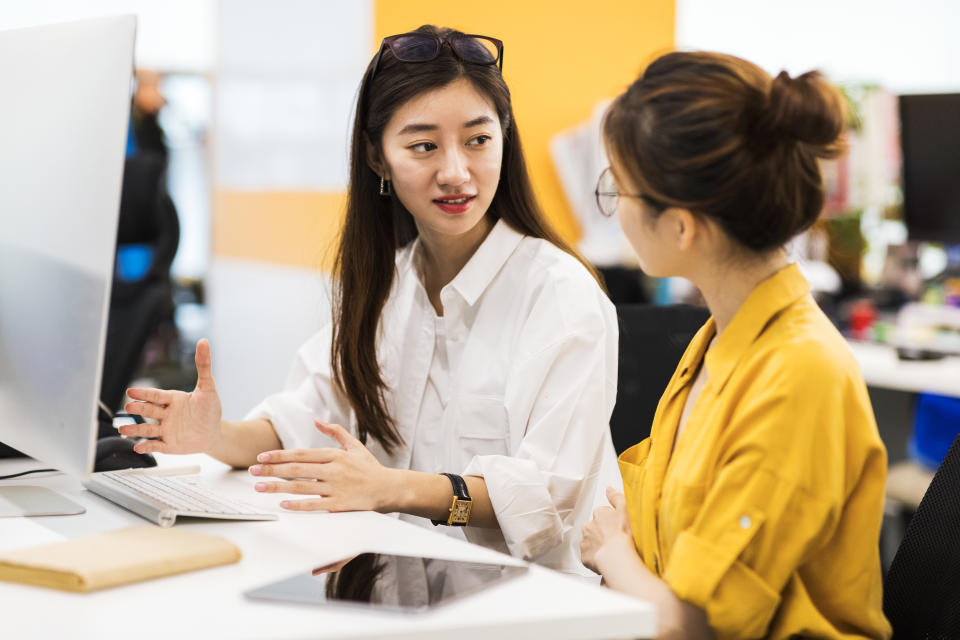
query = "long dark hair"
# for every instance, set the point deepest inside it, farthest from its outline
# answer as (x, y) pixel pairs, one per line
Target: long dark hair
(716, 135)
(375, 227)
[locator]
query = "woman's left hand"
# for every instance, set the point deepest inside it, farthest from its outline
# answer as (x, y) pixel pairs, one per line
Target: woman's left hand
(347, 479)
(608, 532)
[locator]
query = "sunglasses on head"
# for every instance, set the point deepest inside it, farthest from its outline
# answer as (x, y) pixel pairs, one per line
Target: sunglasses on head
(423, 47)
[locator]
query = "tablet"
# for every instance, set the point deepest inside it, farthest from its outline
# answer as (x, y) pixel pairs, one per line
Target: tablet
(387, 582)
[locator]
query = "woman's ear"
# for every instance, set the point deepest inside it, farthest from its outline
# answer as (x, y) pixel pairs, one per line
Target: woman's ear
(375, 159)
(684, 227)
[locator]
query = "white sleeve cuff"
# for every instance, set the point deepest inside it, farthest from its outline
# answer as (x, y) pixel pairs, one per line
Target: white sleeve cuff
(525, 510)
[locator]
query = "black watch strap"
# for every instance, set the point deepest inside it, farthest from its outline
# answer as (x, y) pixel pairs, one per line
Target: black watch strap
(459, 485)
(460, 495)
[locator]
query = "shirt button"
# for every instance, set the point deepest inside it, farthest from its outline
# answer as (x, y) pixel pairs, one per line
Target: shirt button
(745, 522)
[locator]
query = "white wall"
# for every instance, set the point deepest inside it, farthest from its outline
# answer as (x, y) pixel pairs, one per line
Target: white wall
(260, 315)
(287, 72)
(172, 35)
(907, 47)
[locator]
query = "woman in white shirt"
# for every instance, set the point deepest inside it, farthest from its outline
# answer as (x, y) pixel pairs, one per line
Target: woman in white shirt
(467, 338)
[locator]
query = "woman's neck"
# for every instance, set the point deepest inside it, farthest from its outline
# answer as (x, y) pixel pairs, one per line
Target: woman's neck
(442, 257)
(727, 285)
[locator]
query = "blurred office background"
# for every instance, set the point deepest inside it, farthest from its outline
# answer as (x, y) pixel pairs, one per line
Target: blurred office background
(259, 97)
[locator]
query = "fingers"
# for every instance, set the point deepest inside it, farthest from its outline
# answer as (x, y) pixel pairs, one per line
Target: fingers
(156, 396)
(317, 504)
(145, 430)
(204, 367)
(300, 455)
(599, 512)
(616, 499)
(588, 548)
(292, 486)
(291, 470)
(151, 446)
(145, 409)
(331, 567)
(339, 434)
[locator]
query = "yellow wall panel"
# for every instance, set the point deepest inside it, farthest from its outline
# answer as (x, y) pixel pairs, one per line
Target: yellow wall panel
(295, 228)
(560, 58)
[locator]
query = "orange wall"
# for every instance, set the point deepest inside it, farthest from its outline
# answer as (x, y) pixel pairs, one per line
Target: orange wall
(560, 58)
(287, 227)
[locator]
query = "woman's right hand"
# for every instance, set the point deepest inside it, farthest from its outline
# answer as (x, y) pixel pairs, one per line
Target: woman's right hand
(186, 422)
(608, 534)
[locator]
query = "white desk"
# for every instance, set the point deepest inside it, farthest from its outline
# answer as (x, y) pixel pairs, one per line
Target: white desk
(881, 368)
(209, 603)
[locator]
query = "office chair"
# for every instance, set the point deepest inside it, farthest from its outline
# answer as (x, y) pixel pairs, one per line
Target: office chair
(652, 341)
(625, 285)
(922, 588)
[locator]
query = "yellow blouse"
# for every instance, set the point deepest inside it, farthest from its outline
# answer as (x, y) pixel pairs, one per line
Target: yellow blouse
(766, 514)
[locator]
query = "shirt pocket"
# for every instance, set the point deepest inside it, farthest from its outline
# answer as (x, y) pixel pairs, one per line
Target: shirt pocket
(481, 428)
(679, 511)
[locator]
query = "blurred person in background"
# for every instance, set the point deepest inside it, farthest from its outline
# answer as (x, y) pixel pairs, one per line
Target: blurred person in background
(141, 319)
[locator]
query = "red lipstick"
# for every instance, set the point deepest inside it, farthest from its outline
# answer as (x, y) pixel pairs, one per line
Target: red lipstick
(457, 203)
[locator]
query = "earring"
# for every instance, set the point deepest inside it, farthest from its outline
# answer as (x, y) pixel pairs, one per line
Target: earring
(385, 187)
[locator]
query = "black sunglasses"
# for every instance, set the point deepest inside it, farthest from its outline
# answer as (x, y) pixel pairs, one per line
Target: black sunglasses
(422, 47)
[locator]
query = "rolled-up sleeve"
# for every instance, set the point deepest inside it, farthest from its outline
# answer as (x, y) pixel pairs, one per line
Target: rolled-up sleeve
(723, 564)
(558, 402)
(775, 500)
(308, 395)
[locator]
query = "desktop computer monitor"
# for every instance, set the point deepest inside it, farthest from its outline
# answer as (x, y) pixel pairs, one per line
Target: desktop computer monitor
(930, 138)
(63, 125)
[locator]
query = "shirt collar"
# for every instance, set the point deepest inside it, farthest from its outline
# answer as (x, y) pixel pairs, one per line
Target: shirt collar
(486, 262)
(768, 299)
(480, 270)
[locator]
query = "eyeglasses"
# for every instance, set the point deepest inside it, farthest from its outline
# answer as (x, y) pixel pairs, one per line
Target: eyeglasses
(608, 196)
(422, 47)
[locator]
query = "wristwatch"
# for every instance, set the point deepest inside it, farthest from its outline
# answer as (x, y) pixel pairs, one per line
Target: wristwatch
(462, 503)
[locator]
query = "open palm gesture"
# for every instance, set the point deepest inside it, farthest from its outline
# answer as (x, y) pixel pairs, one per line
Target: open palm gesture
(186, 422)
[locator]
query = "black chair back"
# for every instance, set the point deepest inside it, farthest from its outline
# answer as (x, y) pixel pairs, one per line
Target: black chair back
(921, 592)
(652, 341)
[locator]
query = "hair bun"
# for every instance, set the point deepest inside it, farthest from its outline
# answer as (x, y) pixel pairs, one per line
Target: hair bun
(805, 109)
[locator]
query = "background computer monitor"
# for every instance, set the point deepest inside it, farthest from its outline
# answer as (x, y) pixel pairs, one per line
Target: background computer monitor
(63, 123)
(930, 139)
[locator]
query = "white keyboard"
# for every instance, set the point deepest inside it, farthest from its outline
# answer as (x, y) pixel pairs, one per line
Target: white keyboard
(161, 499)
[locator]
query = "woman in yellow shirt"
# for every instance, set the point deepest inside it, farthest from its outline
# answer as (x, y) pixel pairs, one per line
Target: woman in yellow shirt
(754, 508)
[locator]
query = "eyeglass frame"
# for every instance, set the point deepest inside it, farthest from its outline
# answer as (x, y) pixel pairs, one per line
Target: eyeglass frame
(389, 40)
(660, 207)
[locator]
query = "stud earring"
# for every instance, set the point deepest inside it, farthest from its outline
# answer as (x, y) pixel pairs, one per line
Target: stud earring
(385, 187)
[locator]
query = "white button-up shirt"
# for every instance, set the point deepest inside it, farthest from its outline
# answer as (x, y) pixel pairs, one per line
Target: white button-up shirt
(514, 383)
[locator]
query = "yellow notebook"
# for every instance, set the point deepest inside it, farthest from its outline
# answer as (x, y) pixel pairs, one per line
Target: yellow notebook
(115, 557)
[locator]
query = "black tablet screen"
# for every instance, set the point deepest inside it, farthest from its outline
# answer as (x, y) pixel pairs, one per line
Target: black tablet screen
(390, 582)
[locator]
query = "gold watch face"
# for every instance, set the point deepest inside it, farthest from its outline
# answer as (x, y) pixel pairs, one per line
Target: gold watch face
(460, 511)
